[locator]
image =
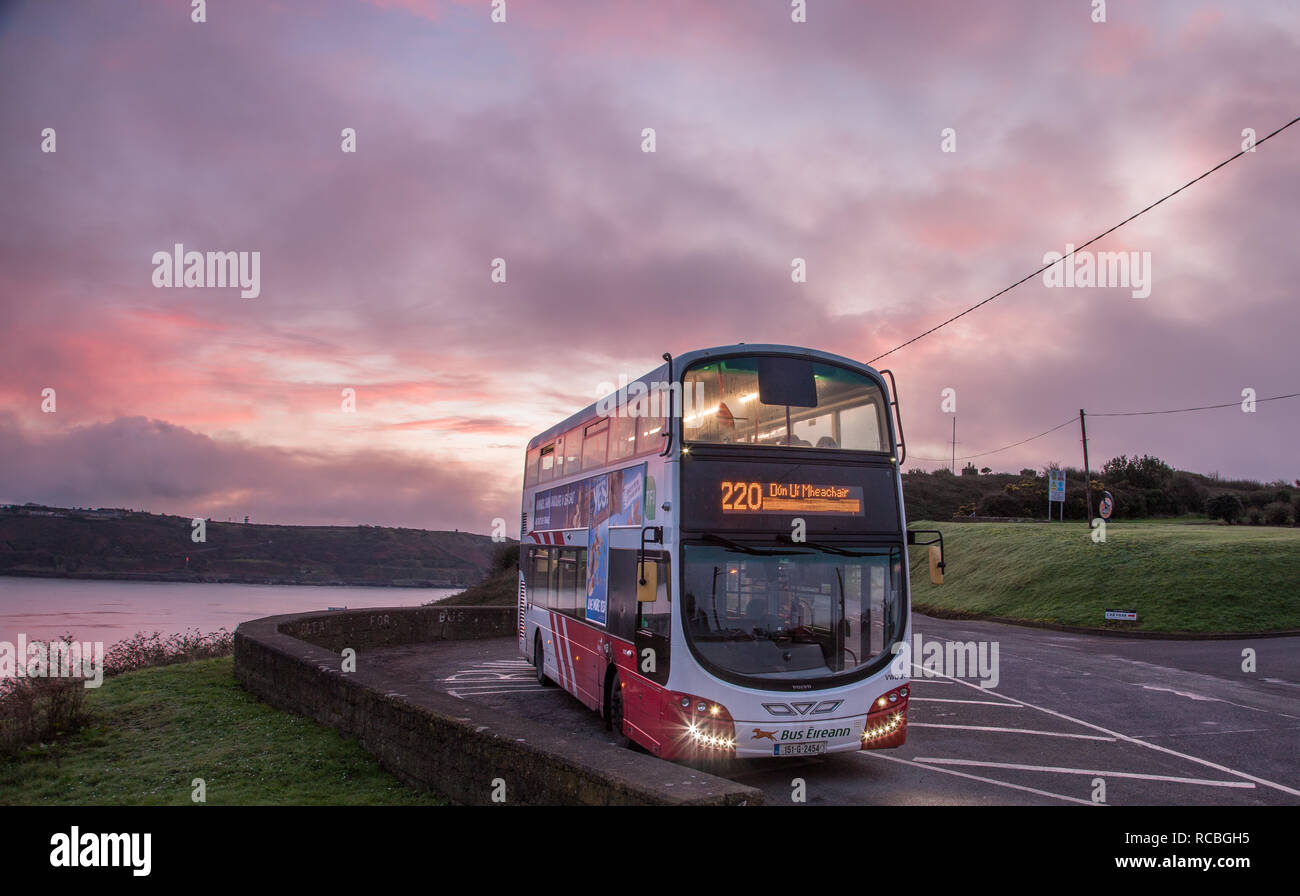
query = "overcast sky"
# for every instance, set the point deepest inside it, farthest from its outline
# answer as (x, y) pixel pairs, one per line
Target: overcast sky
(522, 140)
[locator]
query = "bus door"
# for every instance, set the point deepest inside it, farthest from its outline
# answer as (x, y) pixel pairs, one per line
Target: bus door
(640, 633)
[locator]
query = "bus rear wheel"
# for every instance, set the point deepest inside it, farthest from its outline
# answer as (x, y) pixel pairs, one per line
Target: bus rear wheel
(539, 661)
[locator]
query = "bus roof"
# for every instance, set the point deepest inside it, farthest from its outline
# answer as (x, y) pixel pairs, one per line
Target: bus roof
(686, 359)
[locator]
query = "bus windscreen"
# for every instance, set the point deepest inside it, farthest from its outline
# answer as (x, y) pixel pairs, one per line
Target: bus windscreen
(784, 401)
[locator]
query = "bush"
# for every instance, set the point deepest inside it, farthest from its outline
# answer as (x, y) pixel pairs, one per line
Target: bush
(1277, 514)
(142, 651)
(1001, 505)
(36, 710)
(1143, 472)
(505, 557)
(1255, 516)
(1226, 507)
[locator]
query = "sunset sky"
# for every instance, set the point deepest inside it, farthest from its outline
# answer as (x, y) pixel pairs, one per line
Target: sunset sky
(523, 140)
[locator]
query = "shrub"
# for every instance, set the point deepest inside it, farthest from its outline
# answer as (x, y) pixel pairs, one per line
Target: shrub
(142, 650)
(1277, 514)
(1226, 507)
(1260, 499)
(35, 710)
(1143, 472)
(1255, 516)
(505, 557)
(1000, 505)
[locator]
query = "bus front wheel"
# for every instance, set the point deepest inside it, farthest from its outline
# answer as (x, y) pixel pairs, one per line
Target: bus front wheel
(614, 718)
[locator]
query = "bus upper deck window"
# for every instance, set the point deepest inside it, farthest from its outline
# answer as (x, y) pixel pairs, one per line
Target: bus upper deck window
(595, 443)
(547, 470)
(622, 437)
(784, 402)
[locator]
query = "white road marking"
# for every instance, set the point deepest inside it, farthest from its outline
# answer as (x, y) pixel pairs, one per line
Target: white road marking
(876, 754)
(1150, 746)
(1188, 694)
(1015, 766)
(1205, 733)
(1012, 731)
(974, 702)
(462, 694)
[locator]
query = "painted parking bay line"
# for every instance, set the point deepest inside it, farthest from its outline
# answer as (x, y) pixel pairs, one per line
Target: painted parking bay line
(876, 754)
(972, 702)
(1013, 731)
(1142, 743)
(1015, 766)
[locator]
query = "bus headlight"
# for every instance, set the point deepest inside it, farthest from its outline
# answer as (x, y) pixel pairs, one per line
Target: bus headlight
(706, 727)
(887, 717)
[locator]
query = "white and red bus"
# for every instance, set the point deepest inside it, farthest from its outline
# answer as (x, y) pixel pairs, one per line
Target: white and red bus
(714, 557)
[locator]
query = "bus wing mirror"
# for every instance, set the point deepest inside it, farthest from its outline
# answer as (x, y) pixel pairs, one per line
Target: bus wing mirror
(647, 574)
(937, 564)
(647, 585)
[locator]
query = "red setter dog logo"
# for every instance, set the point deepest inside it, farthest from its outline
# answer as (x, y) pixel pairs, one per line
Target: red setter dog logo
(759, 734)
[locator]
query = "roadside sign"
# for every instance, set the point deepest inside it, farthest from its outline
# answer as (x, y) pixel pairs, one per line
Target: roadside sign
(1122, 615)
(1107, 505)
(1056, 492)
(1056, 485)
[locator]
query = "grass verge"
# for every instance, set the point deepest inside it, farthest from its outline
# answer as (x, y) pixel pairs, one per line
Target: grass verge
(1179, 577)
(154, 731)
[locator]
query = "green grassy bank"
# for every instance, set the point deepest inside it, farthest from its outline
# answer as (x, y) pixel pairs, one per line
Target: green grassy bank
(154, 731)
(1178, 576)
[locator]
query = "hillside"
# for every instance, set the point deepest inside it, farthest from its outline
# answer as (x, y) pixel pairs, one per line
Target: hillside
(44, 541)
(1141, 487)
(1178, 576)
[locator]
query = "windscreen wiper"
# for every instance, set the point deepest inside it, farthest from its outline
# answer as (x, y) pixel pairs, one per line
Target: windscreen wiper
(746, 549)
(831, 549)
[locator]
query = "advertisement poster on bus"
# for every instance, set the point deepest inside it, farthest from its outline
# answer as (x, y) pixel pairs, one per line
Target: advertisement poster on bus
(563, 507)
(614, 499)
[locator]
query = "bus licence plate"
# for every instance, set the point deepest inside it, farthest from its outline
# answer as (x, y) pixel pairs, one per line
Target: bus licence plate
(799, 749)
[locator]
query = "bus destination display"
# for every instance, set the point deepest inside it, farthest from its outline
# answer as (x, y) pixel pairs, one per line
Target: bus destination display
(789, 497)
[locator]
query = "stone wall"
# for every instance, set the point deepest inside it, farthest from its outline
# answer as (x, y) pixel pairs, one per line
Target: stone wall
(433, 740)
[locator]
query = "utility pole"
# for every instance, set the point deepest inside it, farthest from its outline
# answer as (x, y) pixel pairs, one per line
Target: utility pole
(954, 445)
(1087, 474)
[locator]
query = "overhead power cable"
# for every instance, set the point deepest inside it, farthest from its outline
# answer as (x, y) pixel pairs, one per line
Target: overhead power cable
(1106, 232)
(1206, 407)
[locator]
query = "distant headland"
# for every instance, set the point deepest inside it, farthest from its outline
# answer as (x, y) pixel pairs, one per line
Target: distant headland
(132, 545)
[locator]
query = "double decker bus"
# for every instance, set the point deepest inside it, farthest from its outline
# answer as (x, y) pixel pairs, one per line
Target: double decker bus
(714, 556)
